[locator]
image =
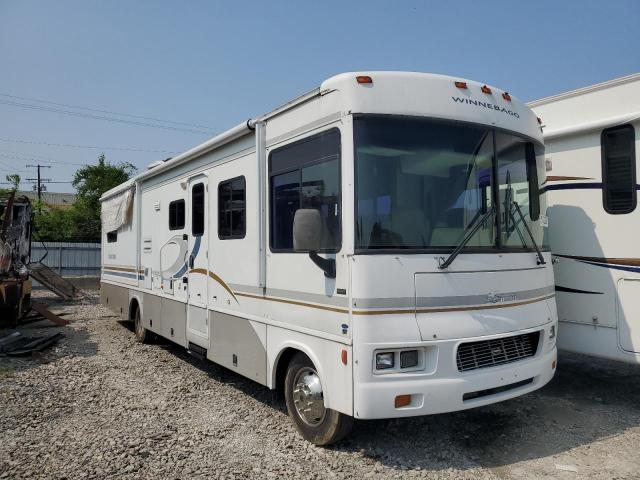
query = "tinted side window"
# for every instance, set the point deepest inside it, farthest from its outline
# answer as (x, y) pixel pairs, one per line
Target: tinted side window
(232, 207)
(306, 174)
(619, 169)
(176, 215)
(197, 209)
(112, 236)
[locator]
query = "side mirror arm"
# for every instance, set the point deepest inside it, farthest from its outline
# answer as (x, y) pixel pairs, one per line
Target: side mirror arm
(328, 265)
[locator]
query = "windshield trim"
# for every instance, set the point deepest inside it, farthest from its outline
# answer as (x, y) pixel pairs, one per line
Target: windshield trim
(496, 248)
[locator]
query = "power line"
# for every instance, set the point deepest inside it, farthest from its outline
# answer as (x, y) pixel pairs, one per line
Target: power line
(11, 169)
(39, 158)
(106, 111)
(27, 181)
(100, 117)
(127, 149)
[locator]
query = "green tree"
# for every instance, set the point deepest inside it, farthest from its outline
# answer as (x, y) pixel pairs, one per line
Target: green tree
(91, 182)
(82, 222)
(14, 180)
(55, 225)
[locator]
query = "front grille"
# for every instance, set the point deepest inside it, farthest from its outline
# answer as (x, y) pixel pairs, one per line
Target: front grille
(498, 351)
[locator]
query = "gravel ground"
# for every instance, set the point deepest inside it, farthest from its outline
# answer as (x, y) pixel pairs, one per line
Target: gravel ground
(100, 405)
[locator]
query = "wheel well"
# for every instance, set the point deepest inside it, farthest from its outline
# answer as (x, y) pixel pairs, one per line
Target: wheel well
(281, 367)
(133, 306)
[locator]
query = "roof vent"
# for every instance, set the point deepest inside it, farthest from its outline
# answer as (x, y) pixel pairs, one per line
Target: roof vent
(155, 164)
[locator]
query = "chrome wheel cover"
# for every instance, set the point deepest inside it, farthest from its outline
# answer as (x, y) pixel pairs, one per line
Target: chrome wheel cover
(308, 398)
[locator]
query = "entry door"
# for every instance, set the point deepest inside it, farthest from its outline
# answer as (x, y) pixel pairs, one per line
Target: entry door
(198, 264)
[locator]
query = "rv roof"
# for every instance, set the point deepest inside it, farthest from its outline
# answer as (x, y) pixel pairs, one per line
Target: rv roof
(418, 93)
(581, 91)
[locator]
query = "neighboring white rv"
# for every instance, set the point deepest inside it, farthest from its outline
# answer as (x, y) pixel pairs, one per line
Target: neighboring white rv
(374, 248)
(591, 145)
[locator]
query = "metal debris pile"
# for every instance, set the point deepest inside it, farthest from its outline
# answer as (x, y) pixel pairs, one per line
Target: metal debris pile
(16, 344)
(16, 267)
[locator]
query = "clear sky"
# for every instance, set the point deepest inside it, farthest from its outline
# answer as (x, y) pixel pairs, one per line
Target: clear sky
(217, 63)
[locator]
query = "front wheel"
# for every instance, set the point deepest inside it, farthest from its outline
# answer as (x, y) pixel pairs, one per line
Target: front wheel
(305, 404)
(142, 334)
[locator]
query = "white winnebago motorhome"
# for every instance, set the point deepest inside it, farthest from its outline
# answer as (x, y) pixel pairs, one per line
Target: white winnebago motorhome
(375, 248)
(591, 138)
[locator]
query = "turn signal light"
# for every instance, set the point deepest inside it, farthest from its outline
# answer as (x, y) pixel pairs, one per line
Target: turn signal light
(506, 96)
(485, 89)
(553, 366)
(343, 357)
(402, 401)
(364, 79)
(462, 85)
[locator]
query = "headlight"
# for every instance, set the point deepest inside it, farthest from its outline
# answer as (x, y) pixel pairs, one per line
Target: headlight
(384, 360)
(552, 336)
(408, 358)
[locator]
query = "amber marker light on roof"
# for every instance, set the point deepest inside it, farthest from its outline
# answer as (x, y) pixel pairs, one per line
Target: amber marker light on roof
(485, 89)
(506, 96)
(364, 79)
(462, 85)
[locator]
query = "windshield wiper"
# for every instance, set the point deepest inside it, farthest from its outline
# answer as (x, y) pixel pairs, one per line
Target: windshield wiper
(472, 228)
(526, 227)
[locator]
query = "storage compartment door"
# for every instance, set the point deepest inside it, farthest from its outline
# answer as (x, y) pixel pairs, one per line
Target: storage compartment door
(240, 345)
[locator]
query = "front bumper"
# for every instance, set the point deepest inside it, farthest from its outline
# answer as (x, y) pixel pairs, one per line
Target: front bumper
(445, 389)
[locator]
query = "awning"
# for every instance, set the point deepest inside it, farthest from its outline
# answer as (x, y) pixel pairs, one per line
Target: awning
(117, 210)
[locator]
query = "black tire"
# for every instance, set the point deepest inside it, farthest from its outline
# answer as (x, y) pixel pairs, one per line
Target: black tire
(327, 426)
(142, 334)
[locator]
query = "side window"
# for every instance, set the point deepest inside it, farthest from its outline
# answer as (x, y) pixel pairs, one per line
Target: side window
(618, 169)
(112, 236)
(176, 215)
(197, 209)
(306, 174)
(232, 208)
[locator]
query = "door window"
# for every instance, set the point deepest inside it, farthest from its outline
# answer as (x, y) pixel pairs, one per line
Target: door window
(197, 209)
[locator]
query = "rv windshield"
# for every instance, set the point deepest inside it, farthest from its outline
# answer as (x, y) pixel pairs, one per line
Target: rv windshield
(421, 182)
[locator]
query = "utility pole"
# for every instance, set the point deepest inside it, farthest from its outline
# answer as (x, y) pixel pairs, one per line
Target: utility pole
(39, 180)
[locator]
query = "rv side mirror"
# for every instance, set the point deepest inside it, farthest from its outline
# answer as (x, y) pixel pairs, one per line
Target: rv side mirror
(308, 229)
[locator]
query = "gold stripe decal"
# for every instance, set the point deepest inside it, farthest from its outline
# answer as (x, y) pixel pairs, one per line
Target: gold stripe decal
(453, 309)
(235, 296)
(559, 178)
(399, 311)
(633, 262)
(293, 302)
(216, 278)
